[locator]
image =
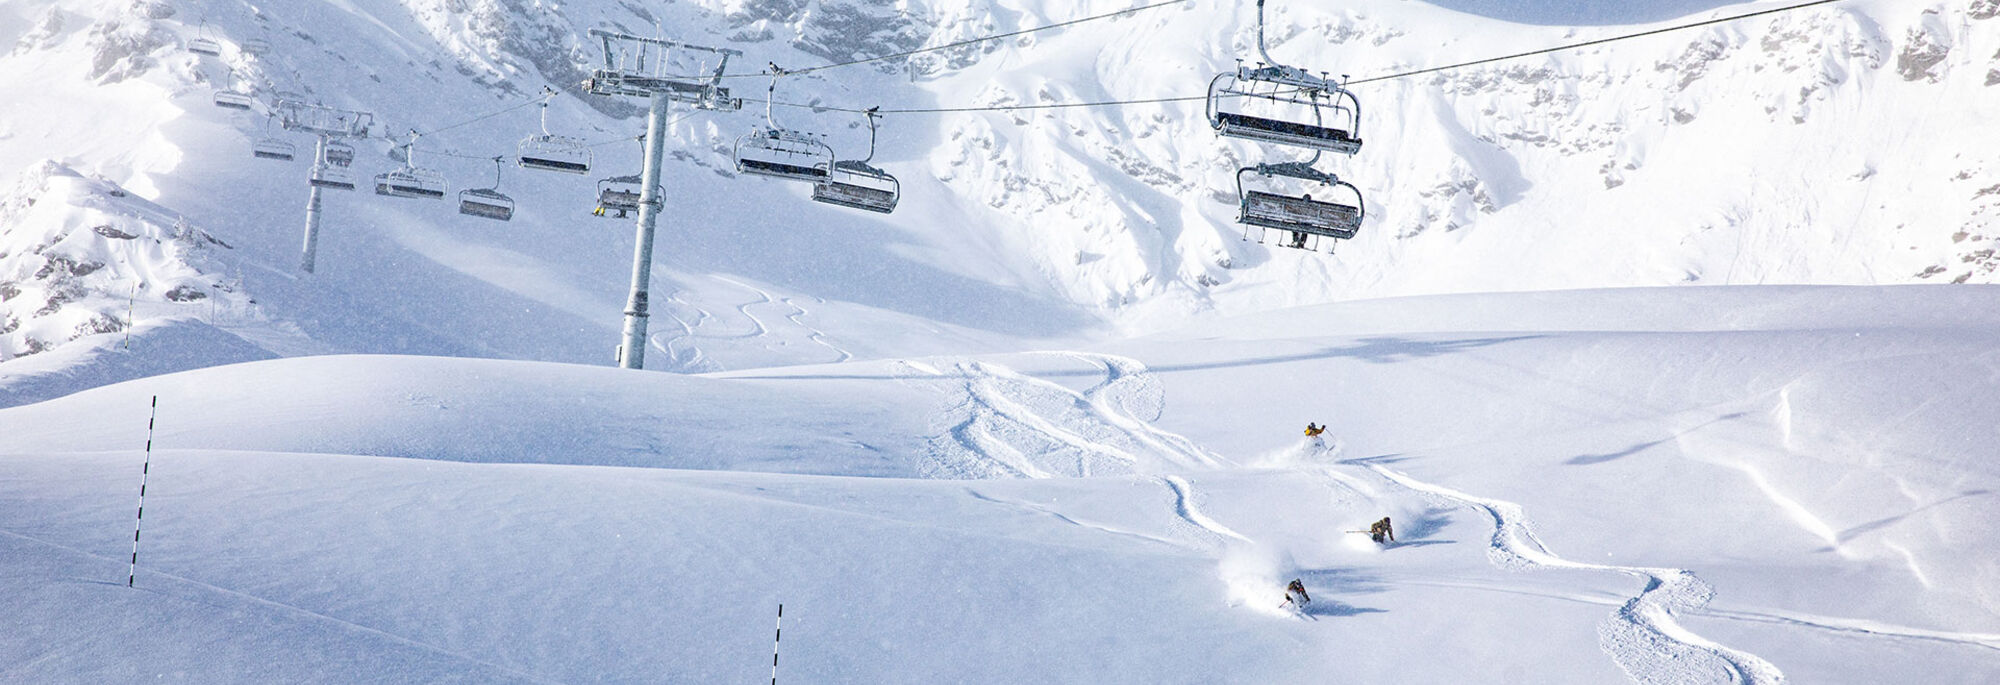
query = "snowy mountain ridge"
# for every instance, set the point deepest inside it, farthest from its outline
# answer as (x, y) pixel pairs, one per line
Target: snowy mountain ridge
(1790, 148)
(62, 285)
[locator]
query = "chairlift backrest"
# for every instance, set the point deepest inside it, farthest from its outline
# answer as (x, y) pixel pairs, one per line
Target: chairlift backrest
(339, 154)
(411, 180)
(618, 194)
(550, 152)
(331, 177)
(857, 185)
(783, 153)
(489, 203)
(554, 153)
(485, 203)
(232, 100)
(272, 148)
(1300, 214)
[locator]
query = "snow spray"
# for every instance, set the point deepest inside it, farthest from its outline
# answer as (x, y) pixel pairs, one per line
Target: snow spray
(775, 637)
(145, 471)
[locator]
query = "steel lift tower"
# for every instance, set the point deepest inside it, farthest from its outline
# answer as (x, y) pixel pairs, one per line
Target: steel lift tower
(657, 70)
(330, 157)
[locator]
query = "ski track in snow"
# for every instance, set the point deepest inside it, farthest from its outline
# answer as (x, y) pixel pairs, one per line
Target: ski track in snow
(764, 331)
(1642, 636)
(1002, 423)
(1856, 626)
(1185, 507)
(760, 333)
(1065, 518)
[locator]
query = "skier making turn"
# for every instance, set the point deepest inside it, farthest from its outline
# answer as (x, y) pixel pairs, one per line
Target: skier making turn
(1295, 595)
(1381, 529)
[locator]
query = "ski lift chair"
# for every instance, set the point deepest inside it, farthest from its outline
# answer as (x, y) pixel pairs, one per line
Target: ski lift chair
(339, 154)
(1284, 106)
(487, 202)
(549, 152)
(783, 153)
(617, 194)
(255, 46)
(554, 153)
(779, 152)
(334, 177)
(856, 184)
(1274, 103)
(1301, 215)
(201, 44)
(410, 180)
(229, 99)
(272, 148)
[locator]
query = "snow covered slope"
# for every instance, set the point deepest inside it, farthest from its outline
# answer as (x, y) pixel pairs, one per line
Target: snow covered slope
(1840, 144)
(1687, 485)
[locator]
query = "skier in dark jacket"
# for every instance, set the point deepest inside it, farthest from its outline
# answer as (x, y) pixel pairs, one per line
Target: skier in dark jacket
(1295, 594)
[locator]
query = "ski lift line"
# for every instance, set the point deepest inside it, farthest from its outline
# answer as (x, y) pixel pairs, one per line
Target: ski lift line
(973, 41)
(1599, 41)
(935, 48)
(1358, 81)
(483, 117)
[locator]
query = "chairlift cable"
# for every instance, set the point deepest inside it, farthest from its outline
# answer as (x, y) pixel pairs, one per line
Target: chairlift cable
(1599, 41)
(1141, 101)
(972, 41)
(468, 122)
(1370, 79)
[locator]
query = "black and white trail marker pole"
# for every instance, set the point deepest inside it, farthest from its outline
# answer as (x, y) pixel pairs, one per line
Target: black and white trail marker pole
(775, 638)
(144, 472)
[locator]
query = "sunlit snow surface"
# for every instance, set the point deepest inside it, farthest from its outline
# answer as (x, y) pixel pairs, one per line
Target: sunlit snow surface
(1686, 485)
(933, 436)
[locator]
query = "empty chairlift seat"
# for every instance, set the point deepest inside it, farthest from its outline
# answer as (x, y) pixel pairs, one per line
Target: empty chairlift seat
(857, 185)
(783, 153)
(554, 153)
(229, 99)
(272, 148)
(334, 177)
(410, 182)
(204, 46)
(340, 154)
(487, 203)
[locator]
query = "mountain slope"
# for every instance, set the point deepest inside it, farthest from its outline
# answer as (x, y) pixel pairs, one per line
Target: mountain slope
(1801, 147)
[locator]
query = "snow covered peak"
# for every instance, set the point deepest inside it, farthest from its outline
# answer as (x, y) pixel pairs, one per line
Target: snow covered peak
(79, 255)
(1801, 147)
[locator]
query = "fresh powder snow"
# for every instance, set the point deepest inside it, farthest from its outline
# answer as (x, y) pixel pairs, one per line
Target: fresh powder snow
(1672, 359)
